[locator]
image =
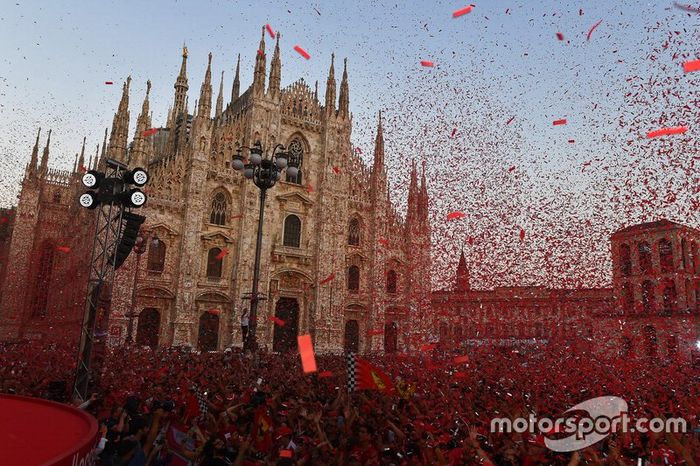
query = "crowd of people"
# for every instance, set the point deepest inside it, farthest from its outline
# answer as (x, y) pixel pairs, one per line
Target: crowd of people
(176, 406)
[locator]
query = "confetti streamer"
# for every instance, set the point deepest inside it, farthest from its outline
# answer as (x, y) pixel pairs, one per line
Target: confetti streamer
(236, 216)
(511, 120)
(286, 453)
(306, 351)
(588, 37)
(63, 249)
(277, 321)
(149, 132)
(221, 255)
(427, 63)
(327, 279)
(571, 141)
(559, 122)
(463, 11)
(336, 170)
(667, 131)
(302, 52)
(269, 30)
(109, 83)
(560, 36)
(461, 359)
(455, 215)
(690, 66)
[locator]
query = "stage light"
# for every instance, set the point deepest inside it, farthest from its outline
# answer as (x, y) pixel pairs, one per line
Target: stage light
(88, 200)
(136, 197)
(137, 176)
(697, 344)
(92, 179)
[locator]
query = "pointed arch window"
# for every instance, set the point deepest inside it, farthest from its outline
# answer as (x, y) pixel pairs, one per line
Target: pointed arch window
(353, 278)
(214, 263)
(354, 232)
(43, 280)
(644, 257)
(625, 260)
(217, 216)
(665, 256)
(296, 153)
(391, 282)
(156, 256)
(292, 231)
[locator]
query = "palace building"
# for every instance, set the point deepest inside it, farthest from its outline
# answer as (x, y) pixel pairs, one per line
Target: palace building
(338, 261)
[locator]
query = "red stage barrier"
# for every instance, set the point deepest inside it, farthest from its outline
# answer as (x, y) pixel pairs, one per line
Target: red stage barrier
(40, 432)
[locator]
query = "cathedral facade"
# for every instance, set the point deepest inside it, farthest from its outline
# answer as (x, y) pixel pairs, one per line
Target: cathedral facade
(338, 261)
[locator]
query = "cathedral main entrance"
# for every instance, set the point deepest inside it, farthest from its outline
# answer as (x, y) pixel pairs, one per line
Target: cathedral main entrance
(352, 336)
(391, 336)
(208, 339)
(148, 328)
(284, 338)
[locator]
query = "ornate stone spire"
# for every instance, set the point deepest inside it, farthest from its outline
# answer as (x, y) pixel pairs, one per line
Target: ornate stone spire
(275, 70)
(140, 153)
(344, 102)
(120, 126)
(462, 278)
(205, 93)
(33, 163)
(44, 167)
(259, 73)
(330, 88)
(81, 160)
(378, 166)
(181, 87)
(220, 98)
(236, 90)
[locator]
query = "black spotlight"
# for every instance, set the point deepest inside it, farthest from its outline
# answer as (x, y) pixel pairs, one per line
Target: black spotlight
(137, 176)
(133, 198)
(92, 179)
(88, 200)
(132, 224)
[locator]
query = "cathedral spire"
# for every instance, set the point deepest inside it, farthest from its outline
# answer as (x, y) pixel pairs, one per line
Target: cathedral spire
(139, 152)
(220, 98)
(379, 147)
(205, 93)
(44, 167)
(120, 126)
(81, 160)
(462, 277)
(275, 70)
(259, 73)
(32, 167)
(236, 90)
(181, 87)
(344, 103)
(423, 199)
(330, 88)
(411, 208)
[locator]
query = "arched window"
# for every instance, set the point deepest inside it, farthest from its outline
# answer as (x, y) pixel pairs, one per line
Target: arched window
(353, 278)
(354, 232)
(665, 256)
(650, 340)
(214, 263)
(57, 197)
(217, 216)
(391, 282)
(156, 256)
(670, 297)
(628, 297)
(694, 257)
(644, 257)
(296, 154)
(43, 280)
(685, 263)
(625, 260)
(648, 297)
(292, 231)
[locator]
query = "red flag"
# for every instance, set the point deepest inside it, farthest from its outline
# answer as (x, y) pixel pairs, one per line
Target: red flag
(269, 30)
(427, 63)
(149, 132)
(306, 350)
(222, 254)
(370, 377)
(428, 347)
(277, 321)
(559, 122)
(262, 430)
(455, 215)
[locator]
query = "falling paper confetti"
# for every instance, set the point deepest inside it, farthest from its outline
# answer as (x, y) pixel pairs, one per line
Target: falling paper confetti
(461, 359)
(109, 83)
(455, 215)
(336, 170)
(667, 131)
(221, 255)
(149, 132)
(522, 235)
(302, 52)
(559, 122)
(325, 374)
(690, 66)
(63, 248)
(306, 351)
(426, 63)
(588, 37)
(560, 36)
(463, 11)
(277, 321)
(269, 30)
(327, 279)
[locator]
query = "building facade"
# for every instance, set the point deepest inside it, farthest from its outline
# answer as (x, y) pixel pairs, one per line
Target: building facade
(338, 261)
(651, 311)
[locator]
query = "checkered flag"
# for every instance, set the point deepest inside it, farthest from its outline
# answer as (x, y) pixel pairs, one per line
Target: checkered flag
(352, 374)
(201, 402)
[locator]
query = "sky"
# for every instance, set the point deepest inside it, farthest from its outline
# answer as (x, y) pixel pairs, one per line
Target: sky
(540, 200)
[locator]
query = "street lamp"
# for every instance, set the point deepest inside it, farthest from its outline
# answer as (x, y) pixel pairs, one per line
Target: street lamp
(139, 249)
(265, 172)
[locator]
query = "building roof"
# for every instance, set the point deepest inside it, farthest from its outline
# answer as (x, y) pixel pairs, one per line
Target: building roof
(662, 224)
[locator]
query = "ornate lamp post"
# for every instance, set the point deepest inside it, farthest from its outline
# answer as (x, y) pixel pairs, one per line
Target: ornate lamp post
(139, 249)
(265, 172)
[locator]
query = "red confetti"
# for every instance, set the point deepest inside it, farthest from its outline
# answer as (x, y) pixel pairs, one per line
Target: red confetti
(571, 141)
(687, 8)
(383, 242)
(336, 170)
(428, 347)
(3, 220)
(279, 322)
(463, 11)
(559, 122)
(461, 359)
(588, 37)
(222, 254)
(302, 52)
(109, 83)
(83, 169)
(325, 374)
(690, 66)
(149, 132)
(470, 240)
(260, 52)
(358, 150)
(306, 351)
(237, 216)
(511, 120)
(426, 63)
(309, 188)
(376, 332)
(269, 30)
(511, 168)
(454, 131)
(286, 453)
(327, 279)
(522, 234)
(560, 36)
(667, 131)
(455, 215)
(63, 249)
